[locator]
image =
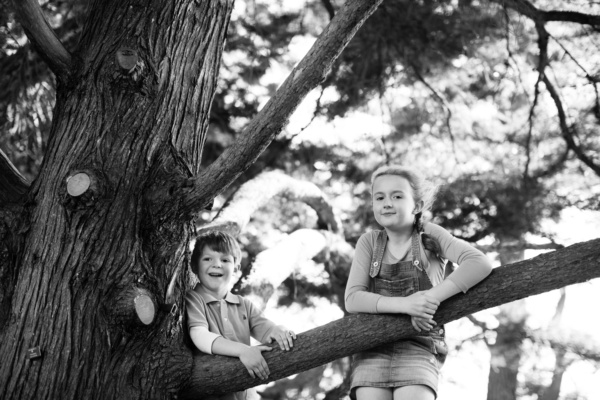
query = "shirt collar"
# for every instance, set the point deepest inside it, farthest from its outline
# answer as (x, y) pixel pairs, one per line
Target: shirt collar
(209, 298)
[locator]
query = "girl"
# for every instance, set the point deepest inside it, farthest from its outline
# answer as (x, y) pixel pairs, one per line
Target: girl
(400, 269)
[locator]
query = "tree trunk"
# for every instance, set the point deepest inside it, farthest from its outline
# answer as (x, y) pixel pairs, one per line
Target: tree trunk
(505, 360)
(94, 265)
(574, 264)
(88, 261)
(561, 363)
(506, 351)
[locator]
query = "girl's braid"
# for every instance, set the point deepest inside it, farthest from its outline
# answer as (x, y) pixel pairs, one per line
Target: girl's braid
(432, 245)
(428, 242)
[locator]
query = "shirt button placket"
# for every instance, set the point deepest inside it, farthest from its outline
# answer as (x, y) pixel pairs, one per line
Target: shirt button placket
(225, 318)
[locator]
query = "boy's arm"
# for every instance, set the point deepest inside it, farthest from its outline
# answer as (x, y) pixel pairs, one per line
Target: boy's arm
(250, 356)
(203, 338)
(265, 330)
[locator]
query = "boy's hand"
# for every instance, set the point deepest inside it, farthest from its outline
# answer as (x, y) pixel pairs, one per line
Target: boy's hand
(422, 323)
(421, 305)
(254, 362)
(284, 337)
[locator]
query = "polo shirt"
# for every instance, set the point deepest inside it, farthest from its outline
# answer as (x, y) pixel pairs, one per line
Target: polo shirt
(234, 317)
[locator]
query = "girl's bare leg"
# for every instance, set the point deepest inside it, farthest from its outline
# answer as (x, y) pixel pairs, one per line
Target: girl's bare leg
(373, 393)
(414, 392)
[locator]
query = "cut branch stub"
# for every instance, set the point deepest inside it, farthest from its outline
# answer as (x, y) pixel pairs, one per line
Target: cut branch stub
(78, 184)
(134, 307)
(144, 308)
(127, 58)
(82, 189)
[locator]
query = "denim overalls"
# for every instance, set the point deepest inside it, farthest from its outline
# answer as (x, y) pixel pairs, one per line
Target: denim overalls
(403, 279)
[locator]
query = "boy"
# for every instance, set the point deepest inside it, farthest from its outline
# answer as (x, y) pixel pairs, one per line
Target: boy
(221, 322)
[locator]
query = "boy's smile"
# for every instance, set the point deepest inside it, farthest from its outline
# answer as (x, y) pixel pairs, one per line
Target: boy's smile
(216, 271)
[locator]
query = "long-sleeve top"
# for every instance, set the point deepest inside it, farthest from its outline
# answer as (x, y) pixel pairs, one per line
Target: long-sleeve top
(474, 266)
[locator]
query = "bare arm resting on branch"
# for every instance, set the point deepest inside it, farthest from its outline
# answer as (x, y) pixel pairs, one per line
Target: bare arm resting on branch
(574, 264)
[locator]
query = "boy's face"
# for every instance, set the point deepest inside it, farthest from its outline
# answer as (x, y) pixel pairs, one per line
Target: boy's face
(216, 271)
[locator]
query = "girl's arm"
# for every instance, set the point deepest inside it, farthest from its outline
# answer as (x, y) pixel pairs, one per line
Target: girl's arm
(357, 296)
(474, 266)
(359, 299)
(444, 290)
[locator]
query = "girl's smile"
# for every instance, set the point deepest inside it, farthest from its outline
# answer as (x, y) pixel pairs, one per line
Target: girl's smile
(393, 203)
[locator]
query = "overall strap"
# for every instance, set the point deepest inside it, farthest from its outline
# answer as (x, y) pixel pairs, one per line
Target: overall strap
(377, 256)
(416, 250)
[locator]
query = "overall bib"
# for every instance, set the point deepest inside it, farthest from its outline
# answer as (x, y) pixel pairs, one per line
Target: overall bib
(414, 361)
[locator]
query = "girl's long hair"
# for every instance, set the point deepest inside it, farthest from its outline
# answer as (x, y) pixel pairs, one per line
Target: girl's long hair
(423, 190)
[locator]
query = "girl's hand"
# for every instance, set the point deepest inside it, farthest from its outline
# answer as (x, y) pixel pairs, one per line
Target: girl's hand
(422, 324)
(284, 337)
(254, 362)
(421, 305)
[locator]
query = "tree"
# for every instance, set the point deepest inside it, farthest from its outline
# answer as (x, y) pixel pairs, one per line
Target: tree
(93, 246)
(89, 253)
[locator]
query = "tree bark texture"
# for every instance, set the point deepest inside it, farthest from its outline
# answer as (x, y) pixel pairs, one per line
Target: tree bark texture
(132, 131)
(574, 264)
(132, 109)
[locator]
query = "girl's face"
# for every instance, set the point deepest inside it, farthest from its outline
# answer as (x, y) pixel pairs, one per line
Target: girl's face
(393, 203)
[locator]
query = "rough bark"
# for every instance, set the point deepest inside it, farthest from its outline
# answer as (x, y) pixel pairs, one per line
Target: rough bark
(82, 256)
(574, 264)
(132, 116)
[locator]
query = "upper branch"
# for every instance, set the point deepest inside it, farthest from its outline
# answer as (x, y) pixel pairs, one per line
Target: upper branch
(43, 37)
(257, 192)
(574, 264)
(274, 116)
(567, 131)
(572, 16)
(529, 10)
(12, 184)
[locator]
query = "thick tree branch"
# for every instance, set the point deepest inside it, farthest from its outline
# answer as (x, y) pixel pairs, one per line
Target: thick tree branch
(574, 264)
(43, 38)
(12, 184)
(519, 246)
(312, 70)
(256, 193)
